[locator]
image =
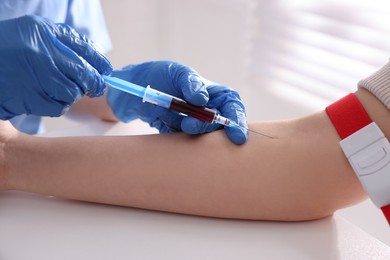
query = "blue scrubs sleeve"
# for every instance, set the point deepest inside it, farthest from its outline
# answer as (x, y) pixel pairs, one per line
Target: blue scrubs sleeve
(87, 17)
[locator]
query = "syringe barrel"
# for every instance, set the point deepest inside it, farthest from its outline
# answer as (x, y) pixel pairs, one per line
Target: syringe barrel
(125, 86)
(202, 113)
(162, 99)
(179, 105)
(157, 98)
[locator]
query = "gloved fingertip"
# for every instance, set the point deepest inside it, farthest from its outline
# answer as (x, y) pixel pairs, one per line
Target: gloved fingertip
(161, 127)
(199, 99)
(194, 126)
(102, 91)
(237, 135)
(197, 93)
(106, 68)
(96, 86)
(191, 127)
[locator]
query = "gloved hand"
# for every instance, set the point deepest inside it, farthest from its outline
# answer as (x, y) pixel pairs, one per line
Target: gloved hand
(46, 67)
(183, 82)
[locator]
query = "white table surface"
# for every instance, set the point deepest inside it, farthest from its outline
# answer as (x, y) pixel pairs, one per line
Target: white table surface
(39, 227)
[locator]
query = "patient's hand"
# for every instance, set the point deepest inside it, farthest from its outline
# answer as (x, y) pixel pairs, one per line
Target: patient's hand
(7, 132)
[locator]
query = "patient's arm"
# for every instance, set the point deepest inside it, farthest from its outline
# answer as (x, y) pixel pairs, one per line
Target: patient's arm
(301, 175)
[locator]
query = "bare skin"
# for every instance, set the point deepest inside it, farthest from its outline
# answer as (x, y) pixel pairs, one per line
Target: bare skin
(300, 175)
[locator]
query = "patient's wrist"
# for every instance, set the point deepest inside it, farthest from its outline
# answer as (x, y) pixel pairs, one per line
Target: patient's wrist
(13, 156)
(2, 168)
(378, 84)
(7, 133)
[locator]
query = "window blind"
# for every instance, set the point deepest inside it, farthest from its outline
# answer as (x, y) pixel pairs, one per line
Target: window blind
(319, 49)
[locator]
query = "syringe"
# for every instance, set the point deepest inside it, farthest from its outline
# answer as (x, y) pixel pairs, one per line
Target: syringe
(162, 99)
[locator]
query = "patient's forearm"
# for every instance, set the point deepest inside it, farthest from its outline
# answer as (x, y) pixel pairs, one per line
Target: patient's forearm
(300, 175)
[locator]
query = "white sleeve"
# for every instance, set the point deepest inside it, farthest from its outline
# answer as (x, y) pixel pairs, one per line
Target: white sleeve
(378, 84)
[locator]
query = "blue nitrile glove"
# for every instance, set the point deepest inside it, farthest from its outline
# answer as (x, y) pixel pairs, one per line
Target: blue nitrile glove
(183, 82)
(46, 67)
